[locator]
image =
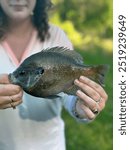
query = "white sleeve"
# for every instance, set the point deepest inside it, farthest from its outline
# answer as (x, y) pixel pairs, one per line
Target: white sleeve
(70, 105)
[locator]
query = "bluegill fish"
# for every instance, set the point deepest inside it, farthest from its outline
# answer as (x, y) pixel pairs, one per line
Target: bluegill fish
(54, 70)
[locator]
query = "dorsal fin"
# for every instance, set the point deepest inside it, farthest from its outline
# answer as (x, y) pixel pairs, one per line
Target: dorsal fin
(66, 52)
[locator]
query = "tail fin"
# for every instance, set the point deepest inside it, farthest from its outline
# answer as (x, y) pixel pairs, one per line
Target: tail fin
(98, 73)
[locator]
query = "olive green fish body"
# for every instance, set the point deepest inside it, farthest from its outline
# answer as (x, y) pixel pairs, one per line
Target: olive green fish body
(54, 70)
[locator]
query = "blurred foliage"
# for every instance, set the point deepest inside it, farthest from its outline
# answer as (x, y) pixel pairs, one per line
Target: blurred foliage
(96, 135)
(88, 24)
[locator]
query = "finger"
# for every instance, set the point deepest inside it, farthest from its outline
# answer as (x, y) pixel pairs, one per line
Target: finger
(88, 101)
(4, 79)
(94, 86)
(8, 99)
(17, 97)
(89, 114)
(88, 90)
(9, 89)
(9, 105)
(101, 105)
(5, 100)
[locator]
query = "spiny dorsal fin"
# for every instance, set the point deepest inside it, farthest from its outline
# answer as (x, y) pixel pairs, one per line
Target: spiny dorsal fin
(66, 52)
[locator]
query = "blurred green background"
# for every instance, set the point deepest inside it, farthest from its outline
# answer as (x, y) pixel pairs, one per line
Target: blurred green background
(88, 24)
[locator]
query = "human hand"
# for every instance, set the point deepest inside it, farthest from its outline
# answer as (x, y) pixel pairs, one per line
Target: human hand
(10, 95)
(92, 98)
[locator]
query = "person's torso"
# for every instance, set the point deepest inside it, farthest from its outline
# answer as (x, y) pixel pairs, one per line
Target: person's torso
(36, 123)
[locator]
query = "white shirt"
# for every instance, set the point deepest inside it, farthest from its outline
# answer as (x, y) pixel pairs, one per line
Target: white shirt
(36, 124)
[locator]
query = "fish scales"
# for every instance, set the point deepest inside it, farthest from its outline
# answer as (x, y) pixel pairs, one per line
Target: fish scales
(54, 70)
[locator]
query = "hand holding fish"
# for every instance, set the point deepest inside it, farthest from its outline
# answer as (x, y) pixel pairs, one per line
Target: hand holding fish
(92, 98)
(54, 70)
(10, 94)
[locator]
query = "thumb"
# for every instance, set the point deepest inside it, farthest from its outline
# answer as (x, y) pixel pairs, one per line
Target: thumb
(4, 79)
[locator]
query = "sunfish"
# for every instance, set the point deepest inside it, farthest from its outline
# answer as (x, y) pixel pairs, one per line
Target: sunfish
(53, 70)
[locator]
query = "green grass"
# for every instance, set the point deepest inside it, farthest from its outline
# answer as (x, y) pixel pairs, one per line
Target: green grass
(96, 135)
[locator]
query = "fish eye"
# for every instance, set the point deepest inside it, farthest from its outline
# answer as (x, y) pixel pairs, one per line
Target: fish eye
(22, 72)
(39, 71)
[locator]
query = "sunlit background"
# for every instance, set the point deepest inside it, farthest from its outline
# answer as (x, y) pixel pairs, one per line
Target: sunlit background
(88, 24)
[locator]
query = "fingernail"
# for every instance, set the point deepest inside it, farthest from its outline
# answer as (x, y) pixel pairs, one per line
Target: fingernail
(82, 78)
(76, 81)
(79, 92)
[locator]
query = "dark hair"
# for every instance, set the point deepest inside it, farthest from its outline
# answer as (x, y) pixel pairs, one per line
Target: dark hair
(39, 19)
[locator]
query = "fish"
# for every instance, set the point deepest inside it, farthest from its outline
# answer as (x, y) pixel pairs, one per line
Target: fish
(53, 70)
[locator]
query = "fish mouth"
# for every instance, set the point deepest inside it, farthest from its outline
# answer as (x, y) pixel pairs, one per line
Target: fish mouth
(12, 78)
